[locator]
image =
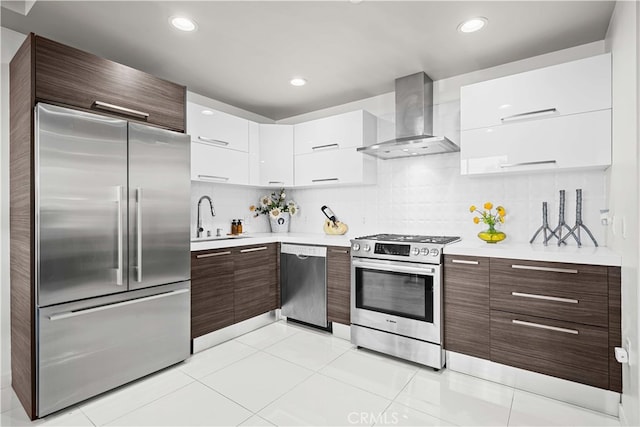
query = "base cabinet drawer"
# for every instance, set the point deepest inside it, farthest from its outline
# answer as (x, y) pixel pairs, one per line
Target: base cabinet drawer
(566, 350)
(467, 331)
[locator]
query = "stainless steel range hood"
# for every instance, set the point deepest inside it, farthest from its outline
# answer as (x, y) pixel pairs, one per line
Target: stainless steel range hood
(414, 122)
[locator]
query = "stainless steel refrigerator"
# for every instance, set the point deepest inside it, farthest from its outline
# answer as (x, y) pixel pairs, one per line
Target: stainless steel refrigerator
(112, 253)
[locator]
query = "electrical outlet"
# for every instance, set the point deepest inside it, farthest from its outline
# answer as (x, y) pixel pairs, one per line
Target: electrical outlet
(623, 226)
(627, 343)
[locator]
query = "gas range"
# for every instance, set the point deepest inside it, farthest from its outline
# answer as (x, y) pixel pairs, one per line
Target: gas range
(400, 247)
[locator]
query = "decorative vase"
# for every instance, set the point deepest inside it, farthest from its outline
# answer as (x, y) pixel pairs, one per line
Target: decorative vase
(492, 235)
(280, 224)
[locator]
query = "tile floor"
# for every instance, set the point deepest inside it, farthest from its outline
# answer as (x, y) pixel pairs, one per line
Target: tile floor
(287, 375)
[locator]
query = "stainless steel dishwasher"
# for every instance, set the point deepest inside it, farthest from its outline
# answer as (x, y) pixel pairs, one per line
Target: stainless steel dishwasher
(303, 278)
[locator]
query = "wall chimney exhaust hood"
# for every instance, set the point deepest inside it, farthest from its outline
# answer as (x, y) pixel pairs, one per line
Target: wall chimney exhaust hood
(414, 122)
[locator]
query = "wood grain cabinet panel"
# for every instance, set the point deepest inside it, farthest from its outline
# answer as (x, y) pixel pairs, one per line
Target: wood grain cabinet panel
(466, 305)
(569, 292)
(212, 291)
(566, 350)
(615, 328)
(69, 76)
(339, 284)
(256, 280)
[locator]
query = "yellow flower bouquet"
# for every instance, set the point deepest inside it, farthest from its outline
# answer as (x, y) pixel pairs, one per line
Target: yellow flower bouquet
(491, 218)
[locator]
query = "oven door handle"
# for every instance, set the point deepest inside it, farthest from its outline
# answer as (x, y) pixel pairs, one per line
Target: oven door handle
(394, 268)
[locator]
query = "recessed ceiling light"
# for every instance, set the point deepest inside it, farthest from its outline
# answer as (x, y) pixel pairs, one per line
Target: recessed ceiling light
(183, 24)
(207, 112)
(473, 24)
(298, 81)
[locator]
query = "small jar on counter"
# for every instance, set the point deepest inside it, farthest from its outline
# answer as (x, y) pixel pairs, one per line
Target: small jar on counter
(234, 227)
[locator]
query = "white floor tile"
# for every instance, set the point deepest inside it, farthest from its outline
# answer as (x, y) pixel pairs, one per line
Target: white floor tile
(400, 415)
(69, 418)
(256, 421)
(532, 410)
(371, 372)
(257, 380)
(458, 398)
(193, 405)
(309, 349)
(323, 401)
(111, 406)
(268, 335)
(215, 358)
(8, 399)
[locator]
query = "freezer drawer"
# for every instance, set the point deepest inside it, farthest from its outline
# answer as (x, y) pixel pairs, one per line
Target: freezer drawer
(89, 347)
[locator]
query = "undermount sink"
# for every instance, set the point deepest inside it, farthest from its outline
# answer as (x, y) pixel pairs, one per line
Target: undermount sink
(213, 239)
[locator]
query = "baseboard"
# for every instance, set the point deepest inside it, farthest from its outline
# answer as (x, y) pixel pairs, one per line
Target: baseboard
(342, 331)
(230, 332)
(623, 417)
(5, 380)
(596, 399)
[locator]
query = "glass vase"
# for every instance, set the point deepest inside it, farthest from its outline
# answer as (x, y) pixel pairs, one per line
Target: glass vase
(492, 235)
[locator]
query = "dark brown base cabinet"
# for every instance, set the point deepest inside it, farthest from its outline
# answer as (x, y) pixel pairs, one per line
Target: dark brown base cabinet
(339, 284)
(552, 318)
(44, 70)
(231, 285)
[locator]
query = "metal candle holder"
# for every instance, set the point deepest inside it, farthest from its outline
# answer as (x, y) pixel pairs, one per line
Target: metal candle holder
(544, 228)
(561, 223)
(575, 231)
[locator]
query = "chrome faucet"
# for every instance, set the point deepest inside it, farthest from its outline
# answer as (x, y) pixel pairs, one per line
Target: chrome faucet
(199, 230)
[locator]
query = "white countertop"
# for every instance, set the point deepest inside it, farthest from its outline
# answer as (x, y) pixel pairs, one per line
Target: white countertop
(569, 253)
(262, 238)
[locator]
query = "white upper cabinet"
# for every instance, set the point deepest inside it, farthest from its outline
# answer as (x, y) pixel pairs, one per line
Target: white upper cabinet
(217, 164)
(276, 155)
(325, 150)
(557, 117)
(217, 128)
(335, 132)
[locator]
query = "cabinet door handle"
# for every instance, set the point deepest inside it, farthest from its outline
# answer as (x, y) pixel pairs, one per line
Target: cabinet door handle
(118, 109)
(539, 162)
(553, 270)
(547, 327)
(213, 141)
(545, 297)
(276, 182)
(528, 114)
(340, 251)
(213, 254)
(261, 248)
(214, 177)
(324, 179)
(324, 147)
(464, 261)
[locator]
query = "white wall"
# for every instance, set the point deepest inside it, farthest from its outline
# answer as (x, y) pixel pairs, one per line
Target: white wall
(622, 41)
(10, 41)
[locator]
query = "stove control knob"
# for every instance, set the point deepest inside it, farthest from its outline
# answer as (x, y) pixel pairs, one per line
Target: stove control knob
(425, 251)
(366, 248)
(435, 252)
(416, 251)
(356, 246)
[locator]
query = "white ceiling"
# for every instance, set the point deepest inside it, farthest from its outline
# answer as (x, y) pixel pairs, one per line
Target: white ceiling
(245, 52)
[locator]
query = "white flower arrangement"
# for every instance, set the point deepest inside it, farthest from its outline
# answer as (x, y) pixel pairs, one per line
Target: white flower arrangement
(274, 205)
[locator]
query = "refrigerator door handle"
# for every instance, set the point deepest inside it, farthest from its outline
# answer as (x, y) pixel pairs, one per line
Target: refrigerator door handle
(120, 244)
(139, 234)
(68, 314)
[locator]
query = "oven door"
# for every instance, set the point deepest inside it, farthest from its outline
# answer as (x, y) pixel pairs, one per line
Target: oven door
(398, 297)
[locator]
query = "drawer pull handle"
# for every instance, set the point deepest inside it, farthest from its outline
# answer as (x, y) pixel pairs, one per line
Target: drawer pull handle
(214, 177)
(119, 109)
(540, 326)
(553, 270)
(324, 147)
(276, 182)
(324, 179)
(529, 113)
(539, 162)
(213, 254)
(464, 261)
(68, 314)
(213, 141)
(544, 297)
(244, 251)
(340, 251)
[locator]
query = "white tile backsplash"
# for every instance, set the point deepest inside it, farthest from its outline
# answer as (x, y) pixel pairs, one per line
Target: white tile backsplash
(422, 195)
